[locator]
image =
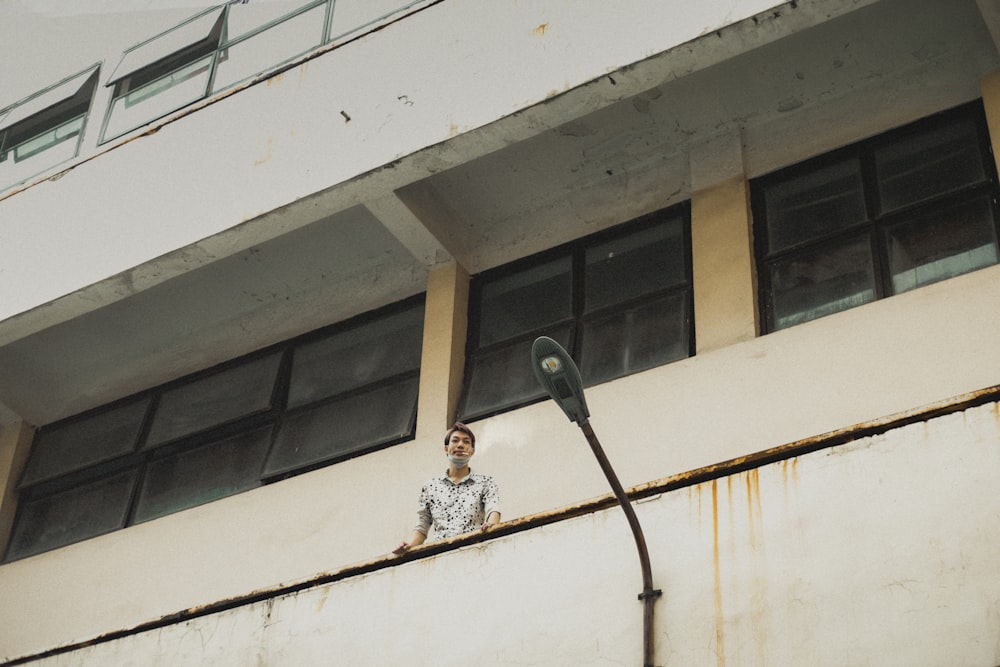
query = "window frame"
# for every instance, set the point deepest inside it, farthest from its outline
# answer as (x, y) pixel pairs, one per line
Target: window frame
(142, 456)
(54, 111)
(578, 318)
(877, 222)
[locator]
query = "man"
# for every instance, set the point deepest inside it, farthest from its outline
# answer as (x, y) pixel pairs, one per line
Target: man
(459, 501)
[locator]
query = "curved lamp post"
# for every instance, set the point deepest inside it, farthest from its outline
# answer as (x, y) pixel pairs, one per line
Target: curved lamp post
(560, 377)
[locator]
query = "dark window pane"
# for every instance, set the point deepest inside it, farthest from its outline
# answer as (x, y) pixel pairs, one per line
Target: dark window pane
(926, 165)
(236, 392)
(81, 443)
(942, 244)
(642, 337)
(344, 426)
(525, 301)
(822, 282)
(504, 376)
(813, 204)
(85, 511)
(639, 263)
(356, 357)
(202, 474)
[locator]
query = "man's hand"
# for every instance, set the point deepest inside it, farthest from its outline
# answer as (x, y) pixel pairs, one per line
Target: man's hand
(492, 520)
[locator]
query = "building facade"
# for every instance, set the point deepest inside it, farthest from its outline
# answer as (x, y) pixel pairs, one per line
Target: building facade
(256, 257)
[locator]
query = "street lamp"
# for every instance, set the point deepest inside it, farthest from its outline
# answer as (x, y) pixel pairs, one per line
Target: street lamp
(560, 377)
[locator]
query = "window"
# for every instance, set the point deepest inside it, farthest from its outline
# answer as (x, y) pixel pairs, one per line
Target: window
(324, 397)
(164, 73)
(45, 129)
(225, 45)
(620, 302)
(884, 216)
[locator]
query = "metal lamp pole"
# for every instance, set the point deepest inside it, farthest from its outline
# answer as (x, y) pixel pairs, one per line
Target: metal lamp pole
(560, 377)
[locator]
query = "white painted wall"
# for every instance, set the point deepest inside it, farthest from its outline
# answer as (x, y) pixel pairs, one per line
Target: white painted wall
(878, 552)
(887, 357)
(284, 139)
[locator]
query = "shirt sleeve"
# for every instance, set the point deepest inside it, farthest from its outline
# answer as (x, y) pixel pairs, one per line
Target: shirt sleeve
(491, 497)
(423, 524)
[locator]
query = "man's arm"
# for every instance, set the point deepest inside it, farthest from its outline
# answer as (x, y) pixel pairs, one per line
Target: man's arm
(492, 520)
(419, 533)
(416, 539)
(491, 504)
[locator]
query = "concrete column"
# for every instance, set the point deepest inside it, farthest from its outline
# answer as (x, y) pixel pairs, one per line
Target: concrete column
(990, 87)
(721, 246)
(443, 356)
(15, 441)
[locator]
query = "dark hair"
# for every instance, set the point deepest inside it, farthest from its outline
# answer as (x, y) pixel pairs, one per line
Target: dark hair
(459, 426)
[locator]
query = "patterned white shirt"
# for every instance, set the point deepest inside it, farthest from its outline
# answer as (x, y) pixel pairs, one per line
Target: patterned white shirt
(456, 508)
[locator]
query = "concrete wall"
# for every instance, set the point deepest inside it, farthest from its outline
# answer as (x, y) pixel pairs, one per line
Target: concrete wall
(884, 358)
(271, 143)
(880, 551)
(876, 552)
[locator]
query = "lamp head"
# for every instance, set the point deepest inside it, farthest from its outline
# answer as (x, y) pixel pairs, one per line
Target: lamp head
(560, 378)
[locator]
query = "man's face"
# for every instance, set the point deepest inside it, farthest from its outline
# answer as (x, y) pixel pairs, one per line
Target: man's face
(459, 444)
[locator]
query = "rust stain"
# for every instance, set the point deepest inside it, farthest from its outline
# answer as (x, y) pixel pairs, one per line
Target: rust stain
(453, 130)
(720, 649)
(267, 154)
(539, 30)
(322, 601)
(275, 80)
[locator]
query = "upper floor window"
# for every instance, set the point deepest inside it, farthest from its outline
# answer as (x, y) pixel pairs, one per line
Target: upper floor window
(45, 129)
(164, 73)
(321, 398)
(883, 216)
(619, 301)
(223, 46)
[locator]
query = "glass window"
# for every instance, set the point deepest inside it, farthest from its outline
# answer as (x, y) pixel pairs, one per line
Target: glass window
(503, 377)
(315, 400)
(161, 51)
(78, 513)
(164, 73)
(355, 357)
(218, 398)
(83, 442)
(635, 339)
(814, 204)
(822, 282)
(929, 164)
(225, 45)
(635, 264)
(349, 16)
(45, 130)
(344, 427)
(195, 476)
(281, 42)
(619, 301)
(902, 210)
(942, 243)
(526, 300)
(249, 18)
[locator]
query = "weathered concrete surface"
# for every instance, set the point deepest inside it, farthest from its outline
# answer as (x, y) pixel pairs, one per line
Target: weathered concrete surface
(882, 551)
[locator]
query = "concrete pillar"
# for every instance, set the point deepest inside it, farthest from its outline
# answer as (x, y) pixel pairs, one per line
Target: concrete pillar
(990, 88)
(15, 441)
(721, 246)
(443, 356)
